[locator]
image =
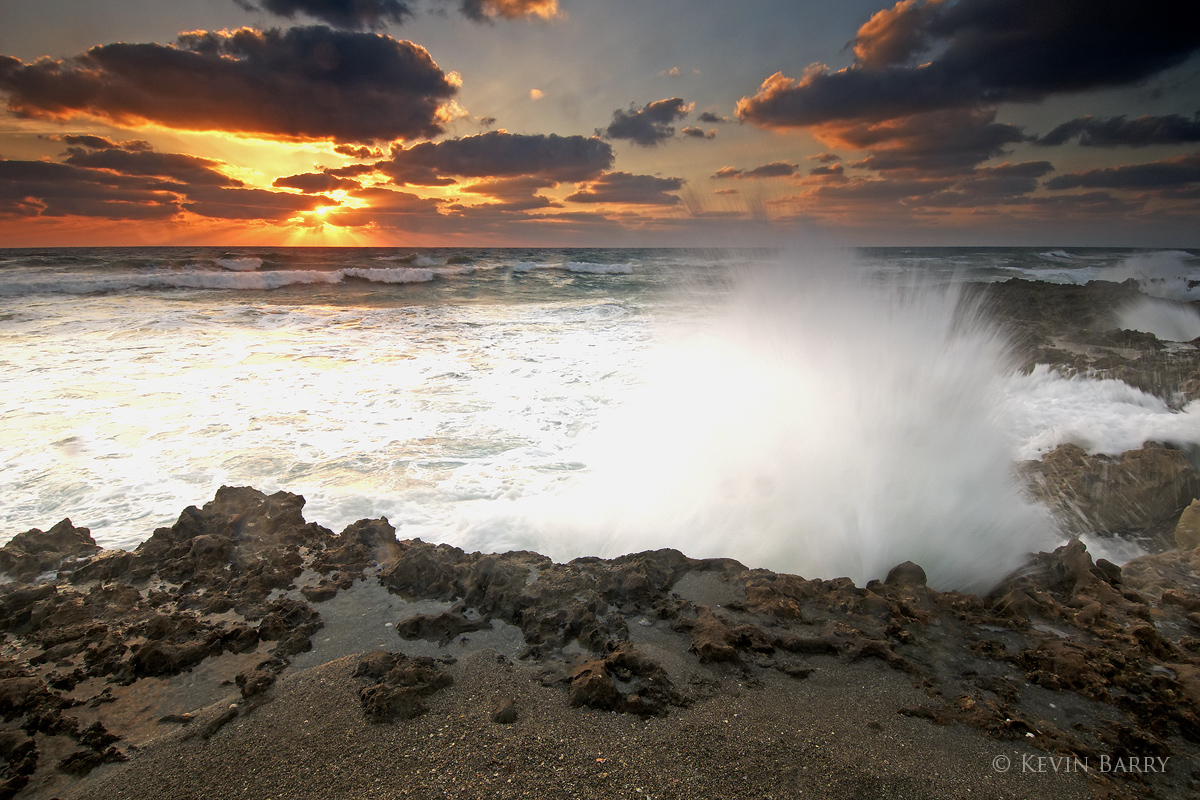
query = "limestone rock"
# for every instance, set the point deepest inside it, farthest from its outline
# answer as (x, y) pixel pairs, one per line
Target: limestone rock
(1136, 491)
(27, 555)
(1187, 530)
(906, 574)
(504, 712)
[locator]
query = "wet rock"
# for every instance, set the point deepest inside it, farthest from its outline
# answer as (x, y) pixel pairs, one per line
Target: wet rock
(158, 659)
(712, 638)
(18, 760)
(241, 540)
(504, 712)
(255, 682)
(1187, 530)
(34, 552)
(362, 543)
(18, 694)
(442, 627)
(321, 593)
(287, 616)
(906, 574)
(422, 570)
(624, 680)
(220, 721)
(386, 703)
(399, 683)
(81, 762)
(1140, 490)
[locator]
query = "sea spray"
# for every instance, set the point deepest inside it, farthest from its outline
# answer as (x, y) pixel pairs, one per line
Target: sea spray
(815, 425)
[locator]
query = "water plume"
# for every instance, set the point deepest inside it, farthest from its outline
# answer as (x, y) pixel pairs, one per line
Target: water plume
(819, 425)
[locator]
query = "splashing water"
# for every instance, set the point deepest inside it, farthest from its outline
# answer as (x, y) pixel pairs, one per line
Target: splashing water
(817, 426)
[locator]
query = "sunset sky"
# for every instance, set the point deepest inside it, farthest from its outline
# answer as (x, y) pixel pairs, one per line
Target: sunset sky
(599, 122)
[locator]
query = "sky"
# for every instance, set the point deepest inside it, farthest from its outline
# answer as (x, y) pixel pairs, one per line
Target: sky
(599, 122)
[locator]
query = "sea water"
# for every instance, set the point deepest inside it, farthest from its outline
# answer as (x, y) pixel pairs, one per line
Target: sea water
(825, 414)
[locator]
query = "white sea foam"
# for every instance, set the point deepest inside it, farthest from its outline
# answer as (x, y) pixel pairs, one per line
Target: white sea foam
(592, 268)
(810, 425)
(1169, 320)
(400, 275)
(242, 264)
(1161, 273)
(1043, 409)
(816, 427)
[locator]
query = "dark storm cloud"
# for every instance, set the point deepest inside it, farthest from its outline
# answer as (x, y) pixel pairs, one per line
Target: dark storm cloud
(118, 183)
(923, 55)
(699, 133)
(1006, 183)
(1122, 132)
(251, 204)
(350, 14)
(47, 189)
(649, 124)
(303, 83)
(497, 154)
(776, 169)
(829, 170)
(941, 141)
(358, 152)
(315, 182)
(1164, 174)
(350, 170)
(179, 167)
(622, 187)
(515, 194)
(87, 140)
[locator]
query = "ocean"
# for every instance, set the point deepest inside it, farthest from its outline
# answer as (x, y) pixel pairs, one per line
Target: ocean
(829, 413)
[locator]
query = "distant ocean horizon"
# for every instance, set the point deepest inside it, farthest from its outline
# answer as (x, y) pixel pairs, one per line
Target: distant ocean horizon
(826, 414)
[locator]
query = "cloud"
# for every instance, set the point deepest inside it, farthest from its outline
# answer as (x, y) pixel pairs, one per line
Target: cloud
(186, 169)
(711, 118)
(776, 169)
(358, 152)
(315, 182)
(499, 154)
(1122, 132)
(622, 187)
(489, 10)
(926, 55)
(514, 194)
(1167, 173)
(536, 94)
(699, 133)
(251, 204)
(648, 125)
(952, 140)
(48, 189)
(303, 83)
(825, 158)
(829, 170)
(350, 14)
(387, 208)
(122, 181)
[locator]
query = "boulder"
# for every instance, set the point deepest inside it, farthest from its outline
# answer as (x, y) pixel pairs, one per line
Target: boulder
(27, 555)
(1187, 530)
(1140, 490)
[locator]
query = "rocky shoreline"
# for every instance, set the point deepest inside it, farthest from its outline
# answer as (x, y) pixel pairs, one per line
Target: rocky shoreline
(122, 654)
(245, 651)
